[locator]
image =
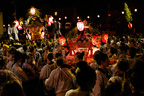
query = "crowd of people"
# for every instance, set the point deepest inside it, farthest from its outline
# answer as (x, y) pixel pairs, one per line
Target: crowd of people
(41, 68)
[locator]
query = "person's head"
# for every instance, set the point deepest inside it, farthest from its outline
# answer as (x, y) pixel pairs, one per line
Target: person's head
(50, 56)
(137, 77)
(60, 61)
(85, 76)
(24, 47)
(32, 49)
(79, 56)
(132, 43)
(11, 88)
(101, 58)
(123, 65)
(18, 57)
(29, 58)
(132, 52)
(11, 52)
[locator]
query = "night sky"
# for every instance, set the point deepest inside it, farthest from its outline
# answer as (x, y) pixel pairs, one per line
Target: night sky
(66, 8)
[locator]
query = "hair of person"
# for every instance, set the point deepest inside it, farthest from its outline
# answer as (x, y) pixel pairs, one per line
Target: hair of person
(31, 48)
(11, 50)
(24, 47)
(50, 56)
(132, 51)
(58, 54)
(11, 88)
(80, 55)
(60, 61)
(137, 76)
(18, 56)
(100, 56)
(123, 65)
(85, 76)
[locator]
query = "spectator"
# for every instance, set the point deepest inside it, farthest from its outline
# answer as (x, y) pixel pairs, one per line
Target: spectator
(60, 79)
(85, 78)
(103, 73)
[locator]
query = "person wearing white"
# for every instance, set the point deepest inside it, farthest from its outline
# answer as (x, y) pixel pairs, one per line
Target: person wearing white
(13, 32)
(60, 79)
(47, 69)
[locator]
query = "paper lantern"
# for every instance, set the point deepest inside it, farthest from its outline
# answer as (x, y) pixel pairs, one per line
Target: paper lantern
(20, 27)
(17, 23)
(130, 25)
(95, 40)
(72, 52)
(32, 11)
(80, 26)
(42, 34)
(105, 38)
(62, 41)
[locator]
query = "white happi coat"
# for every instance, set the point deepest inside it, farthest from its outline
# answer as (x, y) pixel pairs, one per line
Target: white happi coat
(15, 31)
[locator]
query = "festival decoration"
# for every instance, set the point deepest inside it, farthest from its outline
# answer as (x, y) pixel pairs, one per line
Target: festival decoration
(95, 40)
(20, 27)
(130, 25)
(72, 52)
(128, 15)
(62, 41)
(17, 23)
(104, 38)
(80, 26)
(32, 11)
(50, 21)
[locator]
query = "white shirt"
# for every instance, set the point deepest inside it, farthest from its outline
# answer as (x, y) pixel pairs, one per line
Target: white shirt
(60, 79)
(46, 70)
(17, 70)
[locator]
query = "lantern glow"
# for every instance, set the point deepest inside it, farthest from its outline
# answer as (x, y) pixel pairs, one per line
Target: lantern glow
(19, 27)
(105, 38)
(80, 26)
(62, 41)
(17, 23)
(32, 11)
(130, 26)
(96, 40)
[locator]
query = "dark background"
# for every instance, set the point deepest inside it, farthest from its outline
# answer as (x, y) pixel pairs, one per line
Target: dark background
(74, 8)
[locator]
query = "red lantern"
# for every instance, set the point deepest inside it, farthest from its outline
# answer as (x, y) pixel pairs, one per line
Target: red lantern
(72, 52)
(17, 23)
(105, 38)
(19, 27)
(130, 25)
(95, 40)
(80, 26)
(62, 41)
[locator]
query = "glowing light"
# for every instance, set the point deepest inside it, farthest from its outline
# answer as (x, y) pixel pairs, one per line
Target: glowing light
(51, 19)
(80, 26)
(62, 41)
(17, 23)
(104, 38)
(96, 40)
(59, 18)
(20, 27)
(123, 12)
(88, 17)
(78, 17)
(98, 16)
(55, 13)
(130, 26)
(32, 11)
(135, 10)
(42, 34)
(65, 17)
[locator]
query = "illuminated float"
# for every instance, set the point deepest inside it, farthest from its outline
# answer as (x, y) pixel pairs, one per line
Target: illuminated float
(34, 24)
(84, 38)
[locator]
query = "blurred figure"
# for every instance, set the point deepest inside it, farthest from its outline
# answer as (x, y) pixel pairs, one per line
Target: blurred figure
(85, 78)
(60, 80)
